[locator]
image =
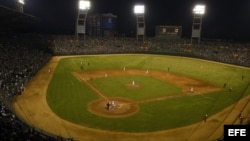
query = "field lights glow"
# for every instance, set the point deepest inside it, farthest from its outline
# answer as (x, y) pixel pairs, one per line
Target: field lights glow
(84, 5)
(139, 9)
(21, 1)
(199, 9)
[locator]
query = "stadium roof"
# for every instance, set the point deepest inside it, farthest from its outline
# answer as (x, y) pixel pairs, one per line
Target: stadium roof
(12, 20)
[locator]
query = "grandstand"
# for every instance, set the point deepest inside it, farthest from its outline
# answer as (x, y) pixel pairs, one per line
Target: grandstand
(25, 49)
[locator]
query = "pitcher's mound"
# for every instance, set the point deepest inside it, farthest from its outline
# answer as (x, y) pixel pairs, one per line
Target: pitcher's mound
(121, 107)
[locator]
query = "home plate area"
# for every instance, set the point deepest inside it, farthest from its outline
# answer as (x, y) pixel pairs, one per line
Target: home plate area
(113, 108)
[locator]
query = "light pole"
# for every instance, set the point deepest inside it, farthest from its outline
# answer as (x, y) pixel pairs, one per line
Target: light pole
(20, 4)
(139, 11)
(198, 11)
(83, 7)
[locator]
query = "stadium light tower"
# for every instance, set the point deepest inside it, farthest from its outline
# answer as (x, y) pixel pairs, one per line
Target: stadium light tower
(139, 11)
(198, 11)
(83, 7)
(20, 4)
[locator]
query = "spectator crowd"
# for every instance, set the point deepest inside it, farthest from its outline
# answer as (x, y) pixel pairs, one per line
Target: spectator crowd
(19, 63)
(220, 51)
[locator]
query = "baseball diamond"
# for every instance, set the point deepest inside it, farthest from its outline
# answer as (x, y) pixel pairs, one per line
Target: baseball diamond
(154, 98)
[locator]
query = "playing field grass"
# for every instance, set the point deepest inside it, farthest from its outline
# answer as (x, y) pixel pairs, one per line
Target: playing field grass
(149, 87)
(68, 97)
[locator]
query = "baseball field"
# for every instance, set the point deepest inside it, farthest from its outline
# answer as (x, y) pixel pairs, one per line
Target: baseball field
(135, 97)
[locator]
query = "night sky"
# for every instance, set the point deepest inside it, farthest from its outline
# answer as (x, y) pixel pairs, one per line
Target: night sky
(223, 18)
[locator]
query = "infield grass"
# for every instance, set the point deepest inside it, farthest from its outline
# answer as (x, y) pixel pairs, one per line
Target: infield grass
(149, 87)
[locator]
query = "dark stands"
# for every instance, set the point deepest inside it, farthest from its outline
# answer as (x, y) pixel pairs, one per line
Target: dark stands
(225, 52)
(23, 52)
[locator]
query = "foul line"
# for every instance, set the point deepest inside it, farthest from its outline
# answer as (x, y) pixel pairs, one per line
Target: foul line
(92, 87)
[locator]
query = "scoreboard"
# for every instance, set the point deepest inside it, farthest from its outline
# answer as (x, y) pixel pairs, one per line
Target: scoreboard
(174, 31)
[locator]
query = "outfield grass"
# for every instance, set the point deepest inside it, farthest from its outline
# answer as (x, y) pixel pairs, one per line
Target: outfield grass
(69, 98)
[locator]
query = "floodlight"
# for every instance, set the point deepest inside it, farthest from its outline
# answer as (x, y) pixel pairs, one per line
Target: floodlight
(21, 1)
(199, 9)
(84, 4)
(139, 9)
